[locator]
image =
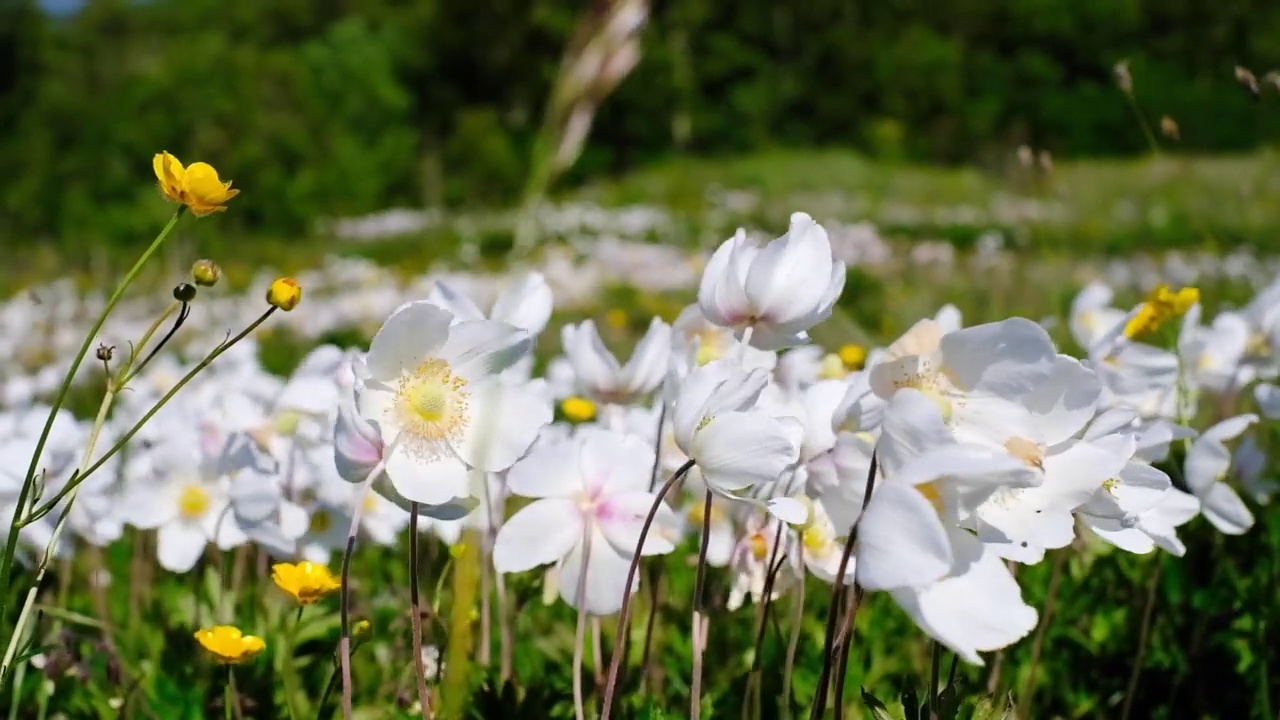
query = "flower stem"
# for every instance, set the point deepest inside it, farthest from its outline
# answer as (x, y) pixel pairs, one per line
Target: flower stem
(24, 494)
(699, 625)
(289, 667)
(752, 698)
(1037, 645)
(229, 696)
(935, 669)
(579, 632)
(797, 618)
(415, 604)
(344, 643)
(615, 663)
(1148, 610)
(457, 668)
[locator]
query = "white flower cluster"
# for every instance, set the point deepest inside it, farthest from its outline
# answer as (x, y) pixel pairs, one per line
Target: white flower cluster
(953, 452)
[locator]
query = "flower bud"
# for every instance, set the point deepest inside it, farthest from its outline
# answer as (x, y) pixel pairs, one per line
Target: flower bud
(206, 273)
(105, 352)
(184, 292)
(285, 293)
(362, 630)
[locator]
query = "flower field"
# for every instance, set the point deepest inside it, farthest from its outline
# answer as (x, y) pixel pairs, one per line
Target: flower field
(739, 461)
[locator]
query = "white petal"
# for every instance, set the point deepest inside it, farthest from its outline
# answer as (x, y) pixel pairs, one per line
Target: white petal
(1229, 429)
(413, 332)
(527, 304)
(621, 516)
(596, 368)
(505, 419)
(1268, 397)
(648, 363)
(1010, 358)
(458, 304)
(740, 450)
(614, 462)
(1066, 402)
(788, 510)
(901, 541)
(179, 545)
(1224, 508)
(913, 425)
(606, 577)
(540, 533)
(431, 481)
(481, 348)
(551, 470)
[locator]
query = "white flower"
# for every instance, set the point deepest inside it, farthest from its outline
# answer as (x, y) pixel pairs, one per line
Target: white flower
(592, 491)
(598, 372)
(525, 304)
(736, 447)
(1206, 467)
(432, 388)
(778, 291)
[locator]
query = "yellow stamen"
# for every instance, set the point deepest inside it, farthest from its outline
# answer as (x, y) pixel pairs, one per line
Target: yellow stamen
(193, 502)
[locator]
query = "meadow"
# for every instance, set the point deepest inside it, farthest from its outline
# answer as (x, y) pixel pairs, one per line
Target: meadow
(1115, 634)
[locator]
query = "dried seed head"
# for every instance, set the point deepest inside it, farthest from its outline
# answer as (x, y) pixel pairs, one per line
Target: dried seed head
(1124, 79)
(1245, 77)
(105, 352)
(184, 292)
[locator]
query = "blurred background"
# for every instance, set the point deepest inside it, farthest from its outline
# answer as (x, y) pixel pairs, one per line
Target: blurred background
(331, 108)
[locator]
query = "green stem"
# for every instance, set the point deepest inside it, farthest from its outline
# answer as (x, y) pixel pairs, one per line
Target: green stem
(124, 439)
(328, 691)
(229, 694)
(290, 667)
(11, 542)
(457, 669)
(131, 370)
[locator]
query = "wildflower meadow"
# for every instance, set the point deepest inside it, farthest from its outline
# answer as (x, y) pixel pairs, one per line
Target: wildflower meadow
(789, 434)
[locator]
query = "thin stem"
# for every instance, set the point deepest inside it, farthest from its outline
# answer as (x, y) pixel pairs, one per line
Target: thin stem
(842, 649)
(655, 592)
(752, 698)
(79, 478)
(699, 636)
(1037, 645)
(830, 643)
(935, 669)
(183, 314)
(597, 652)
(579, 633)
(615, 663)
(344, 644)
(1153, 584)
(415, 603)
(328, 691)
(290, 670)
(797, 617)
(231, 697)
(11, 542)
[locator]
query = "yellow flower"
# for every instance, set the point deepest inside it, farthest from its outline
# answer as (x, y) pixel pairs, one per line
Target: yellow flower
(196, 186)
(578, 409)
(616, 318)
(307, 582)
(228, 645)
(853, 356)
(1161, 306)
(285, 293)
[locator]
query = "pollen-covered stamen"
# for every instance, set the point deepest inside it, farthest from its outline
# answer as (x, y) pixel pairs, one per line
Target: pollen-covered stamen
(431, 407)
(1028, 451)
(193, 502)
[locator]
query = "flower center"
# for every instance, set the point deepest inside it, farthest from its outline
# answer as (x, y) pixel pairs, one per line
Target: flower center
(431, 406)
(1027, 451)
(193, 502)
(320, 522)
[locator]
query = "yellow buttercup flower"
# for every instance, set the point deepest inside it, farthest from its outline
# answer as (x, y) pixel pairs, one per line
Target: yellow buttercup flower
(307, 582)
(578, 409)
(853, 356)
(1161, 306)
(197, 186)
(285, 293)
(228, 645)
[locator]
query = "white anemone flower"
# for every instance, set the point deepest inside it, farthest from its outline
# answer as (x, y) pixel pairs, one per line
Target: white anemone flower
(1207, 464)
(778, 291)
(602, 378)
(592, 498)
(433, 390)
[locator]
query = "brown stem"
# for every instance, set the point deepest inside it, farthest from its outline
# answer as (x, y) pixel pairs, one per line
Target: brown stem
(655, 591)
(1148, 610)
(415, 604)
(615, 663)
(579, 632)
(699, 625)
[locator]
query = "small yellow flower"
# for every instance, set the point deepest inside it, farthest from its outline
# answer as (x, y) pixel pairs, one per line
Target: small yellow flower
(228, 645)
(1161, 306)
(853, 356)
(285, 293)
(196, 186)
(616, 318)
(307, 582)
(578, 409)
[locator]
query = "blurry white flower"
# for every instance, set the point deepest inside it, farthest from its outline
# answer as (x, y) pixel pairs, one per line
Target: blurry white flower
(598, 372)
(1206, 467)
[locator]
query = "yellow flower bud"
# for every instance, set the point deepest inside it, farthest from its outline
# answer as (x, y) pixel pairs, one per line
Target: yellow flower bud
(206, 273)
(362, 630)
(285, 293)
(853, 356)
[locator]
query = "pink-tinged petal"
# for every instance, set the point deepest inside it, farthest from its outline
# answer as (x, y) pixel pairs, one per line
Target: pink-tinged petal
(551, 470)
(606, 577)
(614, 462)
(431, 481)
(504, 420)
(539, 534)
(357, 443)
(621, 516)
(413, 333)
(901, 541)
(478, 349)
(1009, 359)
